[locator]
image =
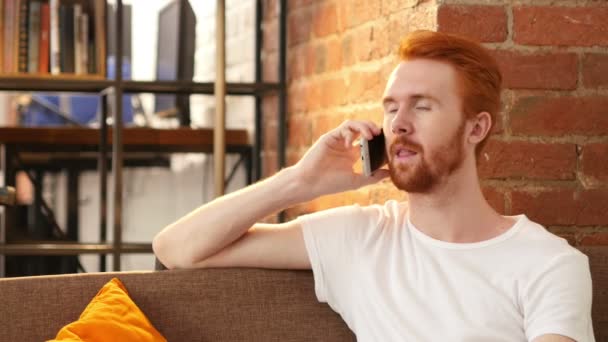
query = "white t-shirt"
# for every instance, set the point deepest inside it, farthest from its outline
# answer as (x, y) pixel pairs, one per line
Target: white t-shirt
(391, 282)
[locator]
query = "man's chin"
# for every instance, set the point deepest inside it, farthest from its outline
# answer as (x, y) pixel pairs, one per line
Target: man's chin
(412, 182)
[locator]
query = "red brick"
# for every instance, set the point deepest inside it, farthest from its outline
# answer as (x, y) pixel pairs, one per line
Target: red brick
(364, 47)
(320, 58)
(348, 54)
(344, 16)
(356, 12)
(562, 206)
(380, 41)
(300, 26)
(594, 162)
(296, 65)
(495, 198)
(364, 86)
(311, 59)
(567, 26)
(325, 20)
(375, 114)
(299, 131)
(392, 6)
(481, 23)
(538, 115)
(332, 92)
(544, 71)
(325, 123)
(595, 239)
(371, 42)
(521, 159)
(334, 55)
(313, 96)
(595, 70)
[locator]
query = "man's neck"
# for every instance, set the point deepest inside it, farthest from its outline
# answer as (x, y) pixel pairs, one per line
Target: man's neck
(456, 211)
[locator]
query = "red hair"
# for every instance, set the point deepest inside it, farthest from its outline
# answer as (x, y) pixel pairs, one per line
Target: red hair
(480, 78)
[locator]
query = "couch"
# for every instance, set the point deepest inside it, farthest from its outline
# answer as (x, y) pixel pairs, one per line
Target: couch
(210, 304)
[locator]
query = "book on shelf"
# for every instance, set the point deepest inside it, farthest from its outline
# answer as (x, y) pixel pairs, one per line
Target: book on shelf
(45, 28)
(33, 36)
(53, 37)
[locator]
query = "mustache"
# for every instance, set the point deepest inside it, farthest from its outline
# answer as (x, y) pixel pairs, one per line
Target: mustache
(403, 142)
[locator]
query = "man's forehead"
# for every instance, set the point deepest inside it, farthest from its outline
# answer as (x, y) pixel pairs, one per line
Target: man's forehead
(412, 78)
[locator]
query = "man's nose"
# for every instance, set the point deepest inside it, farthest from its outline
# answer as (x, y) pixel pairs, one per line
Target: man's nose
(401, 123)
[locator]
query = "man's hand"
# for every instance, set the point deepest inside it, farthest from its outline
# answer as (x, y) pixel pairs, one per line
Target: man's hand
(327, 167)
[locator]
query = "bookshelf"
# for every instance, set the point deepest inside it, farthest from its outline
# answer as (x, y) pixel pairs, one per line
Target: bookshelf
(111, 141)
(53, 37)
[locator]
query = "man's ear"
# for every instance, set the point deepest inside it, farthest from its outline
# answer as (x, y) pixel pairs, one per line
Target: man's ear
(479, 127)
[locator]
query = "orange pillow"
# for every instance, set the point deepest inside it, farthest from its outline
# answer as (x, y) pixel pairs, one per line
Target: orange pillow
(110, 316)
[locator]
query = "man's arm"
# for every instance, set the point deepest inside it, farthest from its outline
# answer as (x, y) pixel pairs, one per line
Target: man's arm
(223, 232)
(553, 338)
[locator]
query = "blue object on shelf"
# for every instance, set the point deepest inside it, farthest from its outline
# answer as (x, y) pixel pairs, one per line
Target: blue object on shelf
(83, 108)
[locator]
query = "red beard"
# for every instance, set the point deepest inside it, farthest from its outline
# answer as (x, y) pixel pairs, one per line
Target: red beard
(425, 172)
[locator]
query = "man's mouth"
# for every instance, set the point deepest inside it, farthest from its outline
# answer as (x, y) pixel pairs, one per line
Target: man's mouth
(403, 153)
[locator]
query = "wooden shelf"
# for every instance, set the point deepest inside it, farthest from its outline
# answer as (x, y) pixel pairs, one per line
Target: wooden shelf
(186, 87)
(92, 84)
(81, 84)
(55, 248)
(48, 76)
(183, 139)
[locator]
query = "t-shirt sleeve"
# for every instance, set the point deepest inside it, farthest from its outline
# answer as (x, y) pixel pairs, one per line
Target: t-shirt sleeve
(333, 239)
(558, 299)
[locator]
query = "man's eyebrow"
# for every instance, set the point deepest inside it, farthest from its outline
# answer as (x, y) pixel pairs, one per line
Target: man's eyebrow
(414, 97)
(424, 96)
(387, 99)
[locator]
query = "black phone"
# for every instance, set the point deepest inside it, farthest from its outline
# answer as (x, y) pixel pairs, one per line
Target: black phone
(373, 153)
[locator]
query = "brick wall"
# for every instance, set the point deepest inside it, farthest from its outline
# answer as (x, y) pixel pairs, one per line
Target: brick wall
(339, 57)
(548, 155)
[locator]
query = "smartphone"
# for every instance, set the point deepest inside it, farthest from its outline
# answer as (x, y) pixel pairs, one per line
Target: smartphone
(373, 153)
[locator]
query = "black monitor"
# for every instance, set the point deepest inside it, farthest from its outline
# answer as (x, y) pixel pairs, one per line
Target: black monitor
(175, 56)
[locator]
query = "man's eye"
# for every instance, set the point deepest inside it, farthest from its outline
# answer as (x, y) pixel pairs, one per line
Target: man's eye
(423, 108)
(391, 110)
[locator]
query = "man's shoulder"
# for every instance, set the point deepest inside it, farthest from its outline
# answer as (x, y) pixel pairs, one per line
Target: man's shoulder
(542, 245)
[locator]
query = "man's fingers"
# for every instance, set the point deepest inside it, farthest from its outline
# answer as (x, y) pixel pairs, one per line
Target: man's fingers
(365, 129)
(350, 130)
(348, 137)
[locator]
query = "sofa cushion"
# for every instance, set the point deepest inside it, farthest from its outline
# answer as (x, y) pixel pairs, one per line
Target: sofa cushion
(110, 316)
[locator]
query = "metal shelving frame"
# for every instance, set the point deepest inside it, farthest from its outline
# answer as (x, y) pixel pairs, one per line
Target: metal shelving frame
(111, 91)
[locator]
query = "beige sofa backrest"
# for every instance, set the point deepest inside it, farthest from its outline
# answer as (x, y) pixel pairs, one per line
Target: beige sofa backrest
(211, 305)
(184, 305)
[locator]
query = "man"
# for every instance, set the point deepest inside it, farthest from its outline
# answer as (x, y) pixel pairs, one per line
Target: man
(443, 266)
